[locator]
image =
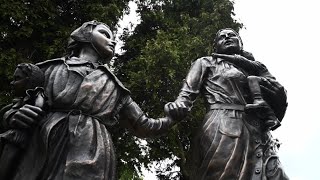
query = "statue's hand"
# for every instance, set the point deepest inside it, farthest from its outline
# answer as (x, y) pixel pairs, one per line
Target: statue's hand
(176, 110)
(26, 117)
(271, 87)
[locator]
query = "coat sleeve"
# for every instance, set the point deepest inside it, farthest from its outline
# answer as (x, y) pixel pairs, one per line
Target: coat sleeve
(193, 82)
(5, 113)
(132, 117)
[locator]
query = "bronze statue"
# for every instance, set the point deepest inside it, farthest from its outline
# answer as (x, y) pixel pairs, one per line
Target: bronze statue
(28, 90)
(243, 101)
(258, 73)
(84, 100)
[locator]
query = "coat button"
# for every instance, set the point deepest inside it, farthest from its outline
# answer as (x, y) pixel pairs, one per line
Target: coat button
(259, 155)
(258, 171)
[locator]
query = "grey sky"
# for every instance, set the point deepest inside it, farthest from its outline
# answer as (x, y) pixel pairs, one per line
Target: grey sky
(283, 34)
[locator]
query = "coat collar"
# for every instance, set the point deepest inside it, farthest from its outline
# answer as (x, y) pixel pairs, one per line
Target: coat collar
(77, 61)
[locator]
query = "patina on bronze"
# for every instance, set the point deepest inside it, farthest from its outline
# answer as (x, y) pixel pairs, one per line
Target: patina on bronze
(84, 98)
(244, 102)
(28, 90)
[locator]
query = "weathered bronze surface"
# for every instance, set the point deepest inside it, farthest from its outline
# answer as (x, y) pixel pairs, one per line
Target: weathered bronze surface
(57, 126)
(28, 90)
(70, 137)
(244, 102)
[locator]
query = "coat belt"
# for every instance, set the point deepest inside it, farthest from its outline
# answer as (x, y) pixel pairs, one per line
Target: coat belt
(227, 106)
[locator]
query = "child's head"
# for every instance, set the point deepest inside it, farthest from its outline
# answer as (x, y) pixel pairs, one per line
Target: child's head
(27, 76)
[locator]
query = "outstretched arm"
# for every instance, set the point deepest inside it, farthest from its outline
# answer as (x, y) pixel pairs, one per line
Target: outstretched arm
(190, 89)
(133, 118)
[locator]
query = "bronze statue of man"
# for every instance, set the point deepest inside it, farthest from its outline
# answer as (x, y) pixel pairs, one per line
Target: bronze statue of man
(234, 140)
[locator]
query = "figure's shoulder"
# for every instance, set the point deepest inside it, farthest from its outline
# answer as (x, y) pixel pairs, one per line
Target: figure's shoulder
(51, 62)
(205, 61)
(107, 71)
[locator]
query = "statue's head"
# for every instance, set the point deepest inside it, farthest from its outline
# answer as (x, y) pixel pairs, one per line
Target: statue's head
(97, 34)
(227, 41)
(26, 76)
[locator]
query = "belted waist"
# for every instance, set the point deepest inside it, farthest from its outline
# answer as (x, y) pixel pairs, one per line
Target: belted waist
(227, 106)
(68, 111)
(109, 120)
(73, 112)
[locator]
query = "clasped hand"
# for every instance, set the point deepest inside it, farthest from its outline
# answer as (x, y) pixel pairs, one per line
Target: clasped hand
(176, 110)
(26, 117)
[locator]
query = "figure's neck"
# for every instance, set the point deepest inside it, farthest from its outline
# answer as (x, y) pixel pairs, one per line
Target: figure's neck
(229, 51)
(89, 54)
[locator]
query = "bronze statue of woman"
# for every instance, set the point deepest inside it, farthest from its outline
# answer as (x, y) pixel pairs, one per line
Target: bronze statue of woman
(233, 141)
(84, 99)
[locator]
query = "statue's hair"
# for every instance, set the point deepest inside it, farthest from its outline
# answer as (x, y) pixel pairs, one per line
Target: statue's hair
(217, 34)
(82, 35)
(35, 74)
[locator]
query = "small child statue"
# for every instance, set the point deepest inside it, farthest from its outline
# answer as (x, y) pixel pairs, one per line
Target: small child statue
(28, 89)
(258, 74)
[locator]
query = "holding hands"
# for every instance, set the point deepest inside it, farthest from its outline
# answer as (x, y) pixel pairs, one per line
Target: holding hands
(176, 110)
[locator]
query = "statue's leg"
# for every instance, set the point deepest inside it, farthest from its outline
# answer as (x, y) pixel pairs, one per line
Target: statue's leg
(254, 86)
(259, 105)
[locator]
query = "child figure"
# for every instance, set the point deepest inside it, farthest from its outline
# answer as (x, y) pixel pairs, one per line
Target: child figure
(28, 89)
(258, 73)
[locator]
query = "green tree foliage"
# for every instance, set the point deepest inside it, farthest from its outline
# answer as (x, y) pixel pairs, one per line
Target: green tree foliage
(158, 54)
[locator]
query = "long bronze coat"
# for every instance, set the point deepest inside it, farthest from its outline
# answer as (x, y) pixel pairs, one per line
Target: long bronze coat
(230, 143)
(72, 142)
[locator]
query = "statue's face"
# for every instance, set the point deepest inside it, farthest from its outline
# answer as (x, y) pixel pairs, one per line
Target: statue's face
(20, 83)
(103, 41)
(228, 42)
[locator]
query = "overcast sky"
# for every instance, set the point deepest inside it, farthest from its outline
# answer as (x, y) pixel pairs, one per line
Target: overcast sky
(283, 34)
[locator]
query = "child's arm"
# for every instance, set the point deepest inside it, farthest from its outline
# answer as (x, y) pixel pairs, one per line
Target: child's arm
(253, 67)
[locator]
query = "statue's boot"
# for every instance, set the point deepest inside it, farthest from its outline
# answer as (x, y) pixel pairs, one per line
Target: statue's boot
(271, 122)
(257, 105)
